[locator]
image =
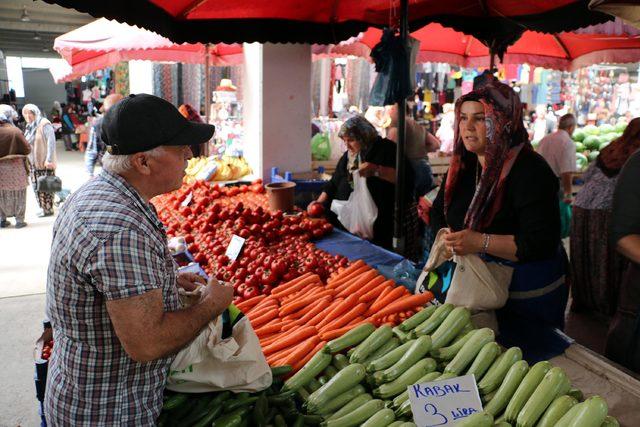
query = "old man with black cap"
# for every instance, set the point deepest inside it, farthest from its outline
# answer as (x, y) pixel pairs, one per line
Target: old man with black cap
(112, 294)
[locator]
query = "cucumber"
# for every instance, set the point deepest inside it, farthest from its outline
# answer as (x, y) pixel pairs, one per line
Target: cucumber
(590, 413)
(233, 404)
(387, 360)
(341, 400)
(419, 349)
(351, 406)
(387, 347)
(554, 384)
(214, 410)
(340, 361)
(512, 380)
(432, 323)
(312, 369)
(417, 318)
(470, 350)
(556, 410)
(356, 417)
(279, 421)
(410, 376)
(344, 380)
(279, 371)
(609, 421)
(352, 338)
(371, 344)
(525, 390)
(496, 373)
(382, 418)
(174, 401)
(483, 361)
(402, 336)
(452, 325)
(229, 420)
(448, 353)
(404, 396)
(479, 419)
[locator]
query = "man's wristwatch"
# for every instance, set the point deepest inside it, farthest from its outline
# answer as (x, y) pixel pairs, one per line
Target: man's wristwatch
(377, 171)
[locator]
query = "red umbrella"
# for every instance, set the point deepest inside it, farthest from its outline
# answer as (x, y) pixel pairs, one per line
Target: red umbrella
(625, 9)
(561, 51)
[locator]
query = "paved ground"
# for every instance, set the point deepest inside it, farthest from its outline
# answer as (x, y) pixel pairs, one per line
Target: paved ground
(24, 255)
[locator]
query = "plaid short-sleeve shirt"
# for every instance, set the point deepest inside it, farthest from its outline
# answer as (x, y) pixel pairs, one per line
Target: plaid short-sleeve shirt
(107, 244)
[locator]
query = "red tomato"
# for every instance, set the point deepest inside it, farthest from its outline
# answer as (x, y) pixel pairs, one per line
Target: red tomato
(252, 280)
(240, 273)
(250, 292)
(279, 267)
(266, 290)
(268, 278)
(241, 288)
(315, 209)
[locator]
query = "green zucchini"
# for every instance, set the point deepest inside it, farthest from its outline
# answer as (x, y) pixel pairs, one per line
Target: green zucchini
(200, 410)
(525, 390)
(330, 371)
(470, 350)
(233, 404)
(303, 394)
(313, 368)
(404, 409)
(452, 325)
(407, 424)
(419, 349)
(352, 338)
(382, 418)
(486, 398)
(323, 379)
(356, 417)
(174, 401)
(371, 344)
(496, 373)
(279, 421)
(351, 406)
(502, 424)
(556, 410)
(404, 396)
(554, 384)
(313, 385)
(312, 420)
(401, 335)
(576, 394)
(340, 400)
(387, 347)
(432, 323)
(479, 419)
(387, 360)
(261, 408)
(206, 421)
(344, 380)
(413, 321)
(609, 421)
(229, 420)
(449, 352)
(446, 376)
(396, 424)
(509, 385)
(412, 375)
(590, 413)
(483, 361)
(340, 361)
(279, 371)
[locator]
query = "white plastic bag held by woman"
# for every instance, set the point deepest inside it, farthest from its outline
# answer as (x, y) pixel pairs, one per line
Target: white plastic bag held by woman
(359, 212)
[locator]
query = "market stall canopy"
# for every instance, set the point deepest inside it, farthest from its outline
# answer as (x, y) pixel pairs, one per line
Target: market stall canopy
(629, 10)
(561, 51)
(104, 43)
(496, 22)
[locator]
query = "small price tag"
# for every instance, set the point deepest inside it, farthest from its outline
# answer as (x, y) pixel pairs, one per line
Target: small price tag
(187, 200)
(234, 248)
(444, 403)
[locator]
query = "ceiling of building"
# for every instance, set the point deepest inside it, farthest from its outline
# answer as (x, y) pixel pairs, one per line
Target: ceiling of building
(34, 35)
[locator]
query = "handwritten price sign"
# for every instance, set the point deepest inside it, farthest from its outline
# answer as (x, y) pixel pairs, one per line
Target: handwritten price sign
(444, 403)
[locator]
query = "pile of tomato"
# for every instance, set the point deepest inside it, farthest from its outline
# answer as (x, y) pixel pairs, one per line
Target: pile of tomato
(277, 247)
(46, 350)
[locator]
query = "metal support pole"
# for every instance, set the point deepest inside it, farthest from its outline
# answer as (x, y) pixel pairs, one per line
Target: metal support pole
(399, 239)
(207, 90)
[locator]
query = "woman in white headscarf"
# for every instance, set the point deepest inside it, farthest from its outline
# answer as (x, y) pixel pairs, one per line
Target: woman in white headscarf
(42, 139)
(14, 149)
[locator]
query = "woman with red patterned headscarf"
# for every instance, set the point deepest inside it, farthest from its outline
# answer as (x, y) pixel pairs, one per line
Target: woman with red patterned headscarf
(499, 200)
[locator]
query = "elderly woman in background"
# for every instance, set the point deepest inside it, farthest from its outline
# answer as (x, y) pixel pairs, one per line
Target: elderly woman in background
(375, 158)
(9, 112)
(14, 180)
(42, 139)
(596, 267)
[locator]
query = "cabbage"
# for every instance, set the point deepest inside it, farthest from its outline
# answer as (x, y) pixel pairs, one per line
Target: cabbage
(591, 130)
(578, 135)
(591, 142)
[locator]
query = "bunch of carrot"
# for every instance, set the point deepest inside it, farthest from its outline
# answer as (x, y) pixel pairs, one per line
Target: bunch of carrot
(300, 316)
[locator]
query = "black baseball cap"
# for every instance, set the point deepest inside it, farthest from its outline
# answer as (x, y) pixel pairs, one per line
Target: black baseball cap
(143, 122)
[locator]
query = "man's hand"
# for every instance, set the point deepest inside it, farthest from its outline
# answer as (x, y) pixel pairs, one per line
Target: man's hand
(368, 169)
(463, 242)
(48, 165)
(190, 281)
(217, 295)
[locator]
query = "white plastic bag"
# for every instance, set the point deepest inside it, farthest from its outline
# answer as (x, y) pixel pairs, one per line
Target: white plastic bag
(214, 361)
(359, 212)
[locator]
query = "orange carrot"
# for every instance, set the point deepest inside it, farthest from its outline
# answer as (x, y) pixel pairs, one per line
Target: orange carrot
(268, 300)
(329, 335)
(279, 293)
(355, 273)
(358, 283)
(272, 338)
(353, 267)
(249, 303)
(374, 293)
(321, 315)
(381, 303)
(311, 312)
(302, 302)
(266, 317)
(299, 364)
(257, 313)
(290, 339)
(345, 318)
(275, 359)
(374, 283)
(268, 329)
(301, 350)
(345, 305)
(383, 294)
(261, 307)
(369, 272)
(293, 282)
(394, 306)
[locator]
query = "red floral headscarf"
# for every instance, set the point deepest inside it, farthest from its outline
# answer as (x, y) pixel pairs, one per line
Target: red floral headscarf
(506, 136)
